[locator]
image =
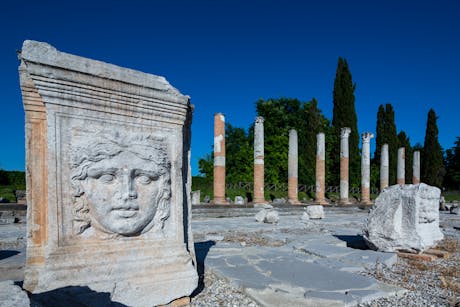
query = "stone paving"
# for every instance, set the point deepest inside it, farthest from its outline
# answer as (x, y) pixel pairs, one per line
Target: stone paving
(294, 262)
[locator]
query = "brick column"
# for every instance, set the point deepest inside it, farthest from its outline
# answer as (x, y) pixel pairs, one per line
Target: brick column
(384, 167)
(416, 168)
(320, 170)
(366, 168)
(293, 168)
(401, 171)
(219, 159)
(259, 197)
(344, 162)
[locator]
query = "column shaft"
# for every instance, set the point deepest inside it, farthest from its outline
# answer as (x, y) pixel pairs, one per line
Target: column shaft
(416, 168)
(344, 163)
(259, 197)
(293, 168)
(219, 159)
(401, 171)
(320, 169)
(384, 167)
(366, 168)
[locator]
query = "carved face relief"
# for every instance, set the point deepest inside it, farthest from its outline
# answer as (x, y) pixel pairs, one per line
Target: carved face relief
(122, 193)
(123, 186)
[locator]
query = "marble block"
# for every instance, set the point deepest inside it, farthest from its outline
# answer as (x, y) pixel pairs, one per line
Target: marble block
(108, 179)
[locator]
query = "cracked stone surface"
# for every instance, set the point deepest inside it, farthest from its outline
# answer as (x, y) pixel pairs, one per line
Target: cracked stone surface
(316, 262)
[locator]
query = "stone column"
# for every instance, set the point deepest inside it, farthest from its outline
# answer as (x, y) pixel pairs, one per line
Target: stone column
(366, 168)
(293, 168)
(320, 169)
(219, 159)
(401, 172)
(384, 167)
(259, 197)
(416, 168)
(344, 161)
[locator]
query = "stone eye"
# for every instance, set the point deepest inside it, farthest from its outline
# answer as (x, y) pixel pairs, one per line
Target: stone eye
(107, 178)
(143, 179)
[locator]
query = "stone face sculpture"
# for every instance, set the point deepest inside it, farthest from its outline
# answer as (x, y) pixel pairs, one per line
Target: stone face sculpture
(108, 179)
(404, 217)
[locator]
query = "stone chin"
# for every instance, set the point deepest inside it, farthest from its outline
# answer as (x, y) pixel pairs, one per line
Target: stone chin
(123, 222)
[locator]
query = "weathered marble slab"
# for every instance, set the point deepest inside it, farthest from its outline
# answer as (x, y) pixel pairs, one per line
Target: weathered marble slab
(108, 179)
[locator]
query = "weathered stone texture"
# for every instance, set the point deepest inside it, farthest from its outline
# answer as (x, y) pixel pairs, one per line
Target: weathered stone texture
(401, 166)
(219, 159)
(344, 163)
(416, 168)
(404, 217)
(108, 179)
(366, 168)
(384, 167)
(293, 159)
(259, 197)
(315, 212)
(320, 169)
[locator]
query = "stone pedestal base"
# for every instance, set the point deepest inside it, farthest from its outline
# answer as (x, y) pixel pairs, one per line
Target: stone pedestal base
(220, 201)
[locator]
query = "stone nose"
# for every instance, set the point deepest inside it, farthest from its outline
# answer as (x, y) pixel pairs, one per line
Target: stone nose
(128, 187)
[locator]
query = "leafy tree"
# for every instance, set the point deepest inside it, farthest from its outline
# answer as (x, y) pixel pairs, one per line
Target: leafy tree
(4, 178)
(206, 167)
(344, 115)
(452, 163)
(284, 114)
(239, 165)
(404, 141)
(432, 171)
(385, 134)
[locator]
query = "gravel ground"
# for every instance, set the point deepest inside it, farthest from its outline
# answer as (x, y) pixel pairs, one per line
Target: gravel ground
(435, 283)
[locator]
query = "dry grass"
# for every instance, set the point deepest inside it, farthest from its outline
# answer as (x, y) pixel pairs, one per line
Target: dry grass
(252, 239)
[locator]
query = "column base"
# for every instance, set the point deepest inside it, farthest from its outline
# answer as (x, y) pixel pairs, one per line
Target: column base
(345, 202)
(367, 202)
(294, 202)
(220, 201)
(260, 202)
(321, 202)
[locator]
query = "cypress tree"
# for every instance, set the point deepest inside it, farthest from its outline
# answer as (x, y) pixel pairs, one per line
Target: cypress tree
(391, 139)
(379, 134)
(344, 115)
(404, 141)
(432, 171)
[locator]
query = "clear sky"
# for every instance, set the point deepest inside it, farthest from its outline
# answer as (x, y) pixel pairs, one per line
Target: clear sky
(226, 54)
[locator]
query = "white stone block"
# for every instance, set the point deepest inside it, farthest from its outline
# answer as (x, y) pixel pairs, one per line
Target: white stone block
(315, 212)
(404, 217)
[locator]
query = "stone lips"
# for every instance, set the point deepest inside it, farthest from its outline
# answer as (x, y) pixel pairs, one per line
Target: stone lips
(404, 217)
(65, 96)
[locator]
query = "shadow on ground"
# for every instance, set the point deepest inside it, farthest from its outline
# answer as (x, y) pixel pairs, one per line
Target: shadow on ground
(356, 242)
(201, 250)
(73, 296)
(8, 253)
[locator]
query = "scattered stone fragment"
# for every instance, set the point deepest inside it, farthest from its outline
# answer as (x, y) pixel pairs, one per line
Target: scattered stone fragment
(404, 217)
(12, 295)
(315, 212)
(455, 210)
(239, 200)
(207, 199)
(267, 216)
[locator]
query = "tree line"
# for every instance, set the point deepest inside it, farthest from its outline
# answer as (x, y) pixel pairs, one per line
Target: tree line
(283, 114)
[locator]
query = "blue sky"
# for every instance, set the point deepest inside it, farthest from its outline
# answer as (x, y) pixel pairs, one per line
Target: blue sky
(228, 54)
